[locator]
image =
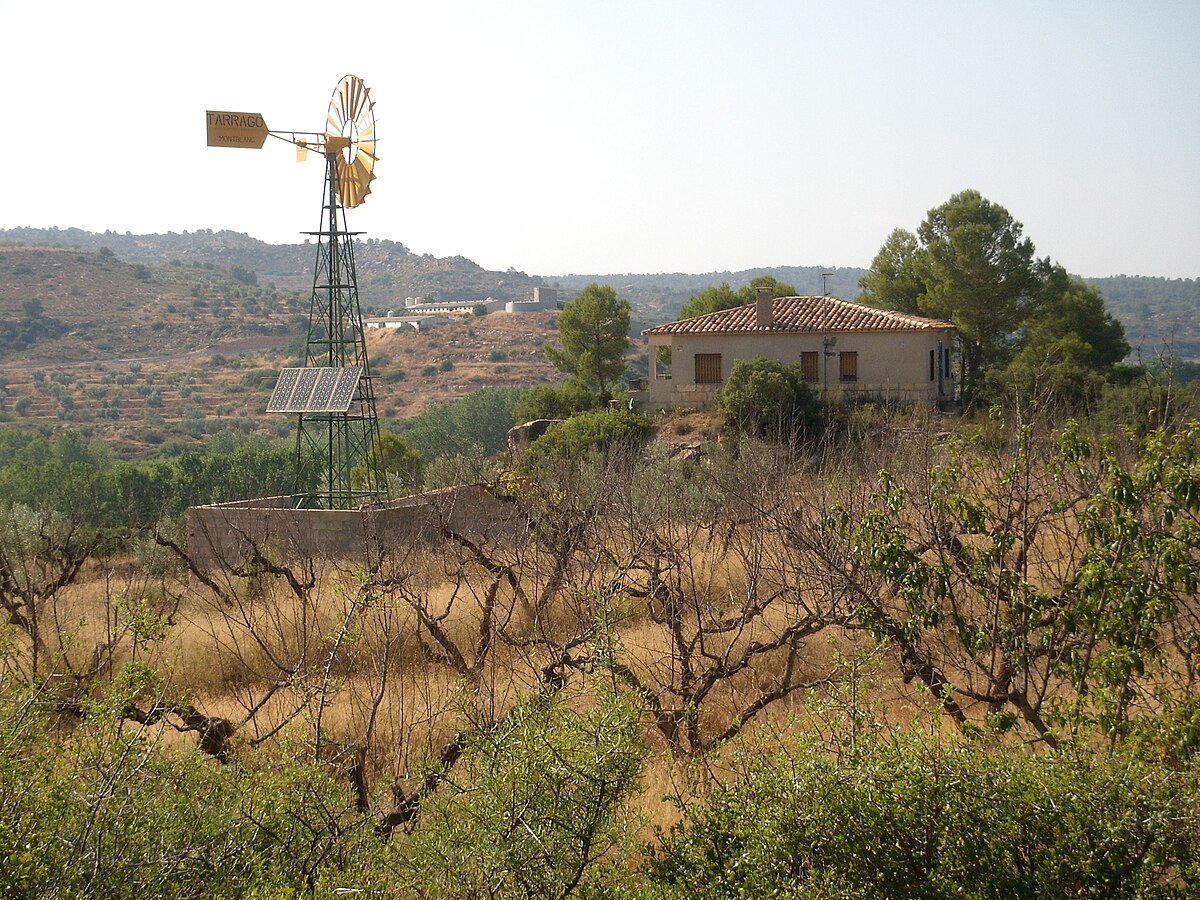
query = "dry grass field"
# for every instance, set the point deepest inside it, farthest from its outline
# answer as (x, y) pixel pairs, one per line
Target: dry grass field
(345, 667)
(723, 601)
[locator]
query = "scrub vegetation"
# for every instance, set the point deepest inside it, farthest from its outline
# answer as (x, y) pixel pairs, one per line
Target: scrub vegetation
(891, 660)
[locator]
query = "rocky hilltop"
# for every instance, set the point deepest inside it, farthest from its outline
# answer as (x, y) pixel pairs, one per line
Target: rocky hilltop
(388, 272)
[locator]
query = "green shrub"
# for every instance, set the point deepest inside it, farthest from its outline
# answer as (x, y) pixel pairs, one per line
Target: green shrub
(601, 430)
(555, 401)
(257, 378)
(102, 810)
(767, 397)
(242, 275)
(533, 808)
(915, 817)
(399, 463)
(479, 420)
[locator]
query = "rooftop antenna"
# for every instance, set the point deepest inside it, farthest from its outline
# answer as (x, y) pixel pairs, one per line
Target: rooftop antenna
(332, 393)
(827, 341)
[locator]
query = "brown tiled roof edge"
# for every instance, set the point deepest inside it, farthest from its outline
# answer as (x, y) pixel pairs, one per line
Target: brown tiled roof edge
(800, 315)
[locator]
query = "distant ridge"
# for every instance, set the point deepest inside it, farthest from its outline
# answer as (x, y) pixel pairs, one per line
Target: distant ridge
(1158, 313)
(388, 272)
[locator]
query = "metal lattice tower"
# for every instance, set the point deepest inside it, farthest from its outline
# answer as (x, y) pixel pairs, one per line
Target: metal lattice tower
(346, 442)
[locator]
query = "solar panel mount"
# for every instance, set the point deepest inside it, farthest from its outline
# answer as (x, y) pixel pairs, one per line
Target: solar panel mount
(315, 389)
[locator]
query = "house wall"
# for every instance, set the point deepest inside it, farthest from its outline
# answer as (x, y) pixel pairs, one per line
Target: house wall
(892, 364)
(450, 307)
(543, 298)
(416, 323)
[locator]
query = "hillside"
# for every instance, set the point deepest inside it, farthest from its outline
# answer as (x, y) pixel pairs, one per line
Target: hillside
(138, 404)
(388, 271)
(67, 306)
(1160, 315)
(1156, 312)
(151, 339)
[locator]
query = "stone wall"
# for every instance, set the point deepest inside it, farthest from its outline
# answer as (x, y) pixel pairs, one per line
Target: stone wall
(223, 533)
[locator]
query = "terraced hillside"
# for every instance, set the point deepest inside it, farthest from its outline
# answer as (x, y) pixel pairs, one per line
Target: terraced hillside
(140, 404)
(146, 355)
(62, 306)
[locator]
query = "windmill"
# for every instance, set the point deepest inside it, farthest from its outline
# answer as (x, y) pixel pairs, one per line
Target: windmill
(332, 393)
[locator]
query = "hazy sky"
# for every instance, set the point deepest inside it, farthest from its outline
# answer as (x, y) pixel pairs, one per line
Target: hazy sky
(609, 137)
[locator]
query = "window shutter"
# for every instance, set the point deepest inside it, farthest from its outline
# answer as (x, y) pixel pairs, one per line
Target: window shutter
(708, 368)
(848, 365)
(810, 365)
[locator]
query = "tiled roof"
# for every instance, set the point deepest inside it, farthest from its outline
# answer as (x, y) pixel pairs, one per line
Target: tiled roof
(800, 315)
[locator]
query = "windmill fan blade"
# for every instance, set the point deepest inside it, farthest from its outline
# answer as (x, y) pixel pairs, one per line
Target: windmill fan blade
(360, 174)
(337, 108)
(354, 100)
(347, 185)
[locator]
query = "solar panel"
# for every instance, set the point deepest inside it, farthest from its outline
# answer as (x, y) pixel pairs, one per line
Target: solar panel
(326, 389)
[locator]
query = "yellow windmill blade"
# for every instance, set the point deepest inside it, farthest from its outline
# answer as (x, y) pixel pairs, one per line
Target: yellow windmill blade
(362, 176)
(350, 133)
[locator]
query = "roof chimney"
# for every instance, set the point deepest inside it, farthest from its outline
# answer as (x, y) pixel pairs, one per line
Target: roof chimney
(764, 300)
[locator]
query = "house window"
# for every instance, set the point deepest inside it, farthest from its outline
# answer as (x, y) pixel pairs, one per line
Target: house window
(808, 365)
(946, 358)
(932, 365)
(708, 368)
(848, 365)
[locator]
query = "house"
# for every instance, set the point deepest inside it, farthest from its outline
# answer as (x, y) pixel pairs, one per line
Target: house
(841, 347)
